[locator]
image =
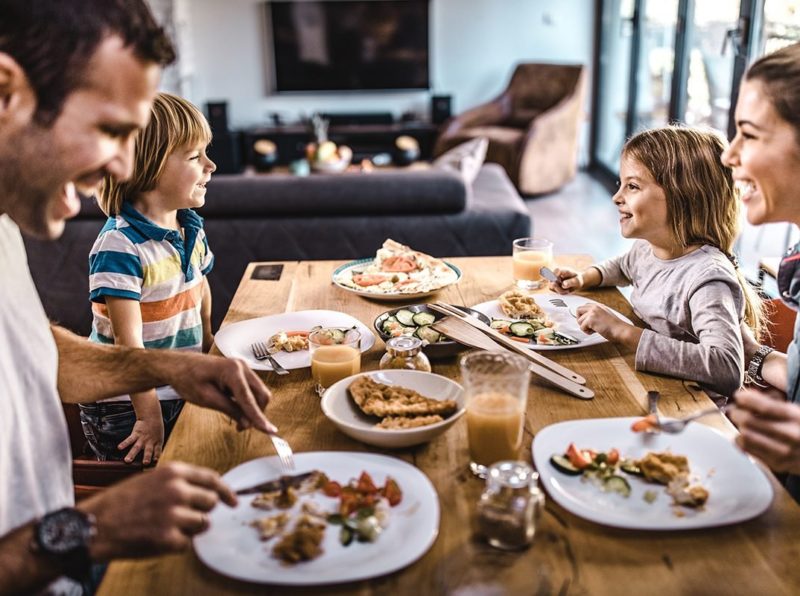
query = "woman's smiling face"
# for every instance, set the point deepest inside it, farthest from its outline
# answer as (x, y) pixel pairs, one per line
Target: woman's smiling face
(765, 157)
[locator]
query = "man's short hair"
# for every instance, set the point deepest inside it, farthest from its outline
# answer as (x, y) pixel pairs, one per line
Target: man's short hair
(54, 40)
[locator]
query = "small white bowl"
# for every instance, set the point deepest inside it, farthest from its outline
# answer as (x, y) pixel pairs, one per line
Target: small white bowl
(346, 415)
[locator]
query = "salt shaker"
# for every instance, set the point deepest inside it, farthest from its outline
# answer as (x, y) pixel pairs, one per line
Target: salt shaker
(405, 352)
(510, 505)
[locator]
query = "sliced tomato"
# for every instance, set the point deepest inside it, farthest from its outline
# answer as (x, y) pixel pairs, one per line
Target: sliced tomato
(392, 492)
(579, 459)
(612, 456)
(398, 264)
(364, 279)
(366, 485)
(332, 489)
(649, 422)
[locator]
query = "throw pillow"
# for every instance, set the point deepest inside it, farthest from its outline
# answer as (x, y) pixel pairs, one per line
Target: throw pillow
(466, 159)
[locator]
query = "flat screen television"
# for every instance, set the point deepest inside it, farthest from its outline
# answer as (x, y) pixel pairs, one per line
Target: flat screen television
(349, 45)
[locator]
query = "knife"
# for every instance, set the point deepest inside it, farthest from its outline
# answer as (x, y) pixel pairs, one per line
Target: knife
(276, 484)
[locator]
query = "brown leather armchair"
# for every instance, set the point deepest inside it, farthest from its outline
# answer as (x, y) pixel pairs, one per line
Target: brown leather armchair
(533, 126)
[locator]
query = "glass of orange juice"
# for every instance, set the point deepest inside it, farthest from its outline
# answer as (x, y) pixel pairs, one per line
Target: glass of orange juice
(529, 255)
(496, 394)
(335, 354)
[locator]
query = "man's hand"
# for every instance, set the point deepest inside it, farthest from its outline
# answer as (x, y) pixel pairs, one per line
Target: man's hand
(769, 428)
(224, 384)
(154, 512)
(147, 437)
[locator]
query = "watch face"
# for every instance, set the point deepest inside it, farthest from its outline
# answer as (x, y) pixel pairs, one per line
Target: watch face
(63, 531)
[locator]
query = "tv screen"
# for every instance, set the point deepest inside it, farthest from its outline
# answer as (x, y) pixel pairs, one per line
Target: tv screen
(348, 45)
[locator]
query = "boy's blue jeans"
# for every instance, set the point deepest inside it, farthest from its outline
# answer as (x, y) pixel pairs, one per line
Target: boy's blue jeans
(106, 425)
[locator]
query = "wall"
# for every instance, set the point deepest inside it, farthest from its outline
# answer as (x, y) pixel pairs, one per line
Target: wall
(473, 44)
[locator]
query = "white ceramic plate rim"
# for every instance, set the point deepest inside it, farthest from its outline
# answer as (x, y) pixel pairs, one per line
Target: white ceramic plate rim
(739, 490)
(233, 549)
(413, 379)
(394, 296)
(562, 316)
(234, 340)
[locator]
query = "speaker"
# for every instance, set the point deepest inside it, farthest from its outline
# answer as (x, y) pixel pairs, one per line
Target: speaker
(441, 108)
(225, 152)
(217, 116)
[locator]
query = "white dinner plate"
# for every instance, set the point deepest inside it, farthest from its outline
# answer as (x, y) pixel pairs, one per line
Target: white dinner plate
(234, 340)
(393, 296)
(564, 317)
(232, 547)
(738, 489)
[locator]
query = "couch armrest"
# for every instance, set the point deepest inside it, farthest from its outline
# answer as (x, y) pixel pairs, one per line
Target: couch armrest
(357, 193)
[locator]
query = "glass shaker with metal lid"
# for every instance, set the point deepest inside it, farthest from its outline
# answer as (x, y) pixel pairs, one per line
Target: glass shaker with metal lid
(405, 352)
(510, 505)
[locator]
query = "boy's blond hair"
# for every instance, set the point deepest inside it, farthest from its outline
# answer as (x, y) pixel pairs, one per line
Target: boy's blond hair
(702, 201)
(174, 123)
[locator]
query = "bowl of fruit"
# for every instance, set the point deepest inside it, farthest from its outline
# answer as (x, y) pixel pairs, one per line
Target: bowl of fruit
(327, 157)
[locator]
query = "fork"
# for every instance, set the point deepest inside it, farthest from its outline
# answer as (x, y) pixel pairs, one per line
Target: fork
(260, 352)
(677, 425)
(284, 451)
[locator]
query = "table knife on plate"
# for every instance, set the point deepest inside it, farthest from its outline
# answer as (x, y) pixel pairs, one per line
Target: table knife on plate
(275, 484)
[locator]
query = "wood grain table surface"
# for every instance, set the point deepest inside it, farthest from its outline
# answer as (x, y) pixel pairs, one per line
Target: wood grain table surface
(569, 555)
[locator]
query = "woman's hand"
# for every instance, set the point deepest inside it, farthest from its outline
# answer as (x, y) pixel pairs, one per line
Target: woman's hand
(147, 437)
(569, 281)
(769, 428)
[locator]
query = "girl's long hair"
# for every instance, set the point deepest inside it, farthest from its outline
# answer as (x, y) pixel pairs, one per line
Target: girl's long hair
(702, 201)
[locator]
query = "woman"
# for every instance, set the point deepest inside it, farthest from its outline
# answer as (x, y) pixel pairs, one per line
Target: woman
(765, 157)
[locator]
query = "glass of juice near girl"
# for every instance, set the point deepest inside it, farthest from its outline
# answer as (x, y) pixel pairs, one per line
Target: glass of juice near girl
(529, 255)
(335, 355)
(496, 394)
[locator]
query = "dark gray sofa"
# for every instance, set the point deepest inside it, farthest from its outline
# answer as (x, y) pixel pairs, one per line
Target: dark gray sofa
(281, 217)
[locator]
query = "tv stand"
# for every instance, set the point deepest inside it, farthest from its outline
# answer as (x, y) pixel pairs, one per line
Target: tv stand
(366, 140)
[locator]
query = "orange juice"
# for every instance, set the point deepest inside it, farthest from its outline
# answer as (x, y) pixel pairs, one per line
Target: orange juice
(527, 264)
(333, 363)
(494, 427)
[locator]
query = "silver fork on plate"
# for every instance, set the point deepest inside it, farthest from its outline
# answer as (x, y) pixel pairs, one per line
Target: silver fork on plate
(261, 352)
(284, 451)
(677, 425)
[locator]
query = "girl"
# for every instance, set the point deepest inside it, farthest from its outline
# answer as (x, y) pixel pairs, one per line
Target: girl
(765, 157)
(147, 273)
(679, 201)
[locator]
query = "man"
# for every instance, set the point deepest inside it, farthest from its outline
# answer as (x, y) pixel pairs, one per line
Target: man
(77, 79)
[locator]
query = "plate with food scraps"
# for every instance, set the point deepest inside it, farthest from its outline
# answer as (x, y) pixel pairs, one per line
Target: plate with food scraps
(732, 486)
(387, 286)
(233, 546)
(558, 310)
(234, 340)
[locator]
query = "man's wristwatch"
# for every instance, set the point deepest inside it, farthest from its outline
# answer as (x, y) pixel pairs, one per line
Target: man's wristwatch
(63, 536)
(757, 364)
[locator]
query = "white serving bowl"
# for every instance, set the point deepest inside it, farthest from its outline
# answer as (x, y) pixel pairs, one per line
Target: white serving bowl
(346, 415)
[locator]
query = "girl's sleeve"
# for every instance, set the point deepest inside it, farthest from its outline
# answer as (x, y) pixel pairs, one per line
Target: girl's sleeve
(717, 361)
(616, 271)
(115, 268)
(207, 260)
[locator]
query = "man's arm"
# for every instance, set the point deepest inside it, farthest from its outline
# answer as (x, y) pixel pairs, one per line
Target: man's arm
(152, 513)
(88, 371)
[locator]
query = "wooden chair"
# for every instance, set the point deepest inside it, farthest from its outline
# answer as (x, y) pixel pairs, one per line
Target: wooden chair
(780, 324)
(89, 474)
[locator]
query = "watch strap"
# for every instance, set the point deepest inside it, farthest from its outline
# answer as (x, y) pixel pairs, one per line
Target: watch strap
(757, 364)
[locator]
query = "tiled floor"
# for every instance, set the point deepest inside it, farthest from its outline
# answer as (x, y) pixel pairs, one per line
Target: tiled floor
(581, 218)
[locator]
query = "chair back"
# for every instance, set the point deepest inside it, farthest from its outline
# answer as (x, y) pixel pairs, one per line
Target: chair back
(780, 324)
(535, 88)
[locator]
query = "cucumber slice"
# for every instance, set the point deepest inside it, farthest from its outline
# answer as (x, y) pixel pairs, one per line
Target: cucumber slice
(562, 464)
(521, 329)
(423, 318)
(406, 317)
(499, 323)
(617, 484)
(629, 467)
(425, 333)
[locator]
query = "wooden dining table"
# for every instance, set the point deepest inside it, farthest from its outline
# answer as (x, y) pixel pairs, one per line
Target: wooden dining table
(569, 555)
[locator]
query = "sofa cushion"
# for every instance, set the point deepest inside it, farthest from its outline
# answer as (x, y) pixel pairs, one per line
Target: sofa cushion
(358, 193)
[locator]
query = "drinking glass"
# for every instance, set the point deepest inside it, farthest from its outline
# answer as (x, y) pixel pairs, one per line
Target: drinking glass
(496, 393)
(529, 255)
(335, 354)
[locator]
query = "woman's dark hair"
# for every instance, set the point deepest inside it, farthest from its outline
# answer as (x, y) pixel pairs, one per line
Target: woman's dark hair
(54, 40)
(779, 72)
